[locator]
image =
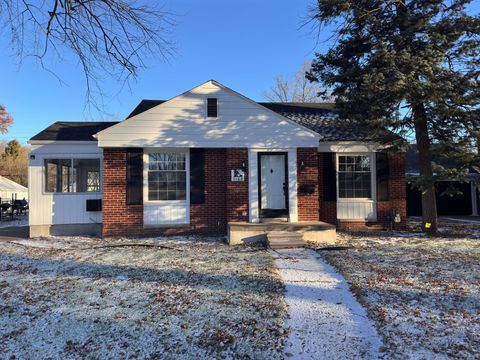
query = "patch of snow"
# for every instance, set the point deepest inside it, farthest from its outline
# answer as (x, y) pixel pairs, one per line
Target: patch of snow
(78, 297)
(326, 321)
(463, 220)
(16, 222)
(422, 292)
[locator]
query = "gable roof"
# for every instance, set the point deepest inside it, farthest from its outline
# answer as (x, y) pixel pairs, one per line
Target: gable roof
(182, 122)
(72, 131)
(145, 105)
(10, 185)
(318, 117)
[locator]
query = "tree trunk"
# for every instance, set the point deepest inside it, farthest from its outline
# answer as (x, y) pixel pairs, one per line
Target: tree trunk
(429, 202)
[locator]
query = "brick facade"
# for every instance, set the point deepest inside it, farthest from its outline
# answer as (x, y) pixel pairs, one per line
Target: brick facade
(237, 192)
(227, 201)
(210, 217)
(397, 193)
(307, 176)
(118, 217)
(396, 202)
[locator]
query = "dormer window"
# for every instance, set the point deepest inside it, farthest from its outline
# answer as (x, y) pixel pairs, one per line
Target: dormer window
(212, 108)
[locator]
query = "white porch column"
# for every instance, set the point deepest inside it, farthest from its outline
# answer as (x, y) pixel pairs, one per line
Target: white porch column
(253, 213)
(292, 185)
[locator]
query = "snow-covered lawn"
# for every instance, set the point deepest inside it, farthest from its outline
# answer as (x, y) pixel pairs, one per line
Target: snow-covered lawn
(74, 298)
(20, 220)
(423, 293)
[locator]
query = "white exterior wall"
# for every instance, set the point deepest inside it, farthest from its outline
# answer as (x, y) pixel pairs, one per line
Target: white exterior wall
(182, 122)
(60, 208)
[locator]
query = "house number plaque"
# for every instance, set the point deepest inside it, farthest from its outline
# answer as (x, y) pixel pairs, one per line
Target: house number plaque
(238, 175)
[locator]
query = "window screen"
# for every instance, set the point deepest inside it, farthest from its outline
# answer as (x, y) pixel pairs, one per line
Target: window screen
(72, 175)
(58, 175)
(354, 177)
(167, 176)
(86, 175)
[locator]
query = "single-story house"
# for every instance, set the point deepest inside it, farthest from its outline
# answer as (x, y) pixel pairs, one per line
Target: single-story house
(464, 201)
(11, 190)
(207, 158)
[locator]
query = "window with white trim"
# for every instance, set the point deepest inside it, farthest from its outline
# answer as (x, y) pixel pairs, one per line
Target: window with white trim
(354, 177)
(167, 176)
(72, 175)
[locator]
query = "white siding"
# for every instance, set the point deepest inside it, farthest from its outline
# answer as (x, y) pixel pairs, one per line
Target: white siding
(356, 210)
(182, 122)
(65, 208)
(166, 213)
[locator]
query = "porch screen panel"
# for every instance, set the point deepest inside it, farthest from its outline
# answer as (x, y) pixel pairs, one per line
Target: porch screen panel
(86, 175)
(58, 175)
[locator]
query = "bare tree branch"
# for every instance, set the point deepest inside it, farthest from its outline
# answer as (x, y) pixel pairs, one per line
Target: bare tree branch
(112, 37)
(295, 89)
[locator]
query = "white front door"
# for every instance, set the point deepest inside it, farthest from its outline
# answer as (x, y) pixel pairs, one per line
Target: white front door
(272, 168)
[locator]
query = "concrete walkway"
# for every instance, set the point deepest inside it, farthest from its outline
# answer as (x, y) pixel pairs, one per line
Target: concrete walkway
(325, 320)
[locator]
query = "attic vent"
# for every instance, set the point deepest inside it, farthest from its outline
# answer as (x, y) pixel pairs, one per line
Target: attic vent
(212, 107)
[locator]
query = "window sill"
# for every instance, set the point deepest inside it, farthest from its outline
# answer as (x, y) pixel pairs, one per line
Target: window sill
(72, 193)
(164, 226)
(363, 200)
(164, 202)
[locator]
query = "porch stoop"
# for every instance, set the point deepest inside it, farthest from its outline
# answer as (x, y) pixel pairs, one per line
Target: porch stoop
(311, 231)
(285, 239)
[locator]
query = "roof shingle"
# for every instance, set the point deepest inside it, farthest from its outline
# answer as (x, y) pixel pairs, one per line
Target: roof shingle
(319, 117)
(72, 131)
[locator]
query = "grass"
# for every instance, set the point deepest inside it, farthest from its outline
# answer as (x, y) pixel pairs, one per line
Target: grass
(81, 298)
(423, 293)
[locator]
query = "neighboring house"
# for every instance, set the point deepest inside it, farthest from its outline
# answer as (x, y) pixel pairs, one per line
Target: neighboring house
(206, 158)
(10, 190)
(465, 200)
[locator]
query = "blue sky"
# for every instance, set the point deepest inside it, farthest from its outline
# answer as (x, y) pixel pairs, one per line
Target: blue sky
(242, 44)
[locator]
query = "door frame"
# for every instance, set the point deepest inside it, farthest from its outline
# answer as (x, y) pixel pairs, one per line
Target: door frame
(269, 213)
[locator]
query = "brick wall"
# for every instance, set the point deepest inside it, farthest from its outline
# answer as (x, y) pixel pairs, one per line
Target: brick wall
(397, 192)
(308, 204)
(328, 209)
(397, 198)
(118, 218)
(209, 217)
(237, 192)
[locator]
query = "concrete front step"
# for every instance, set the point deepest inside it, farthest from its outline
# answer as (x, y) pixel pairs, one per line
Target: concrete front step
(274, 220)
(312, 231)
(285, 239)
